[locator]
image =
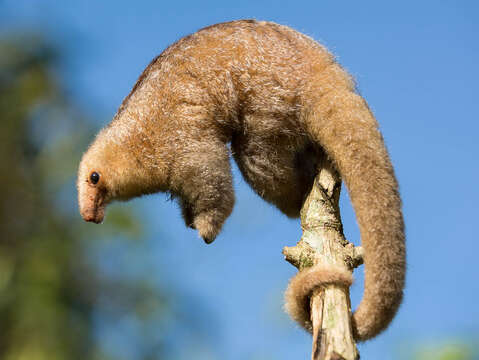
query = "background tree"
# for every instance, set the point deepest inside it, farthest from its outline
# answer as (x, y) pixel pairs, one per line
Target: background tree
(60, 294)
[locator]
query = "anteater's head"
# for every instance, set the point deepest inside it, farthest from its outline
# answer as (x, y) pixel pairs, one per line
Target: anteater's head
(115, 169)
(107, 172)
(94, 185)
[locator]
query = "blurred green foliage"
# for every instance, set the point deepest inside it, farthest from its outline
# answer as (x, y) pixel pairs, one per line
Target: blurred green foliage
(461, 349)
(447, 352)
(55, 300)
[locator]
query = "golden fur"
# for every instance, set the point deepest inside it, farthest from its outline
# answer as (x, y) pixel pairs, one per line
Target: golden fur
(281, 100)
(301, 287)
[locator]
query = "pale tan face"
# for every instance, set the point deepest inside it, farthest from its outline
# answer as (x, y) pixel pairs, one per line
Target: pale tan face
(106, 174)
(92, 195)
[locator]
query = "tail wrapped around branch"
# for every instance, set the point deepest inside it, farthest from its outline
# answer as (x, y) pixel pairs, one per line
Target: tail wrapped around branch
(341, 122)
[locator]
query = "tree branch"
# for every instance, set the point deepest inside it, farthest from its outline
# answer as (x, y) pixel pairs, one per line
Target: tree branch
(323, 243)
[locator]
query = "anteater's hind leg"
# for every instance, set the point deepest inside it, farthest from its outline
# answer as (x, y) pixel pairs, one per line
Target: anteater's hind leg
(280, 169)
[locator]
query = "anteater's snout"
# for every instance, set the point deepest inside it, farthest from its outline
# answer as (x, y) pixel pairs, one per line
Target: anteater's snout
(93, 218)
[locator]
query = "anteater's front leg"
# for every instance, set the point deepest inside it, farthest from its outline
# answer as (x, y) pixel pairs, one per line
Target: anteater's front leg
(201, 177)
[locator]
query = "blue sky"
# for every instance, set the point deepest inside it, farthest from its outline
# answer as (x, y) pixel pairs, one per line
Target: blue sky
(416, 63)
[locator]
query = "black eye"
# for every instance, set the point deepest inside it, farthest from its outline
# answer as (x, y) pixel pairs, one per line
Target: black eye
(94, 177)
